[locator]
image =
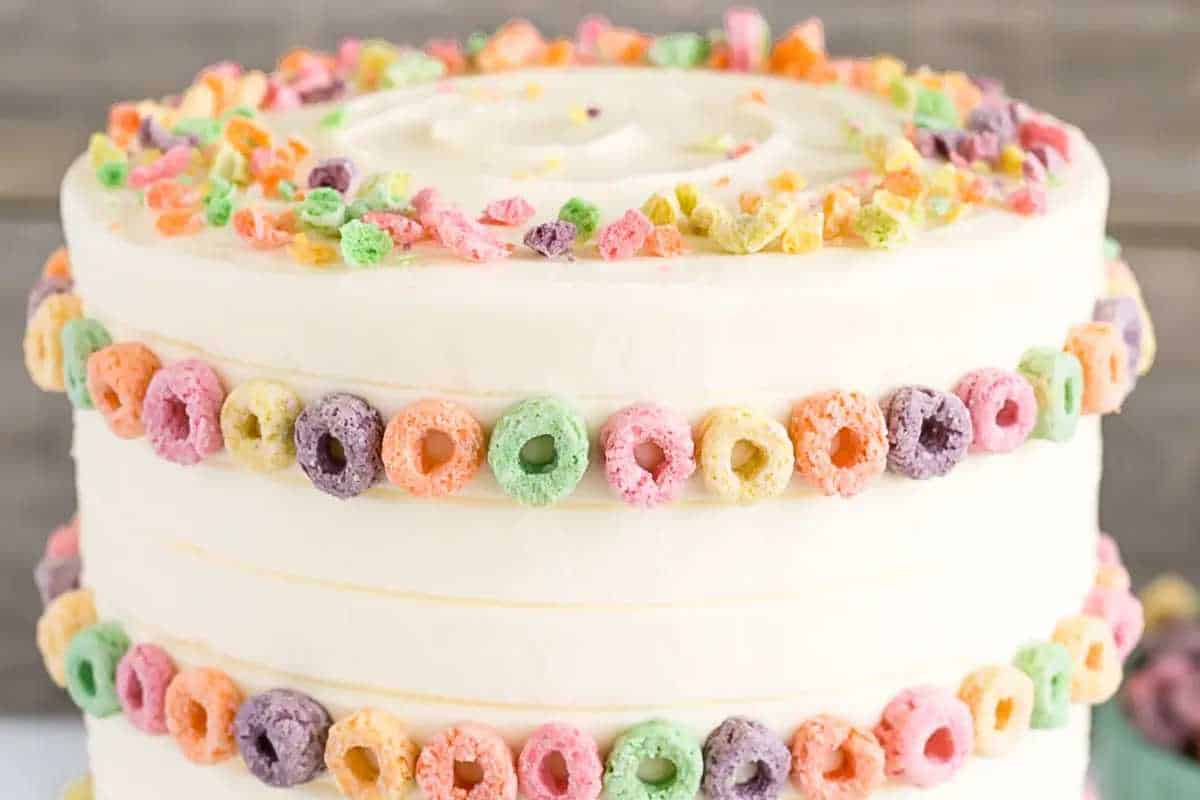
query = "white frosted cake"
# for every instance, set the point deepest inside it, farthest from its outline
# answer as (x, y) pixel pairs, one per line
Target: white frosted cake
(625, 415)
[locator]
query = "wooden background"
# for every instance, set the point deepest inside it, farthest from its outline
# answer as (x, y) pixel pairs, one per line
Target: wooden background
(1128, 72)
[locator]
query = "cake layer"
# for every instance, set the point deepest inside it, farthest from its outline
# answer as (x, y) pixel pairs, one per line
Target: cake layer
(793, 607)
(128, 765)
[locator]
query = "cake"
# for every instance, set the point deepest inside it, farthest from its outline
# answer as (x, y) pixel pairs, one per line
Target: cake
(646, 416)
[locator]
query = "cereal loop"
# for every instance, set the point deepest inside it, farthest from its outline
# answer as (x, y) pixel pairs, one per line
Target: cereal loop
(470, 743)
(181, 412)
(1124, 314)
(927, 734)
(91, 668)
(580, 755)
(1057, 381)
(370, 756)
(1048, 665)
(1095, 664)
(728, 434)
(1100, 350)
(740, 745)
(928, 432)
(261, 229)
(411, 445)
(1123, 613)
(1169, 598)
(80, 338)
(43, 340)
(645, 425)
(1001, 701)
(143, 676)
(337, 444)
(281, 735)
(117, 379)
(832, 760)
(1003, 409)
(840, 440)
(200, 707)
(655, 740)
(258, 421)
(65, 616)
(57, 265)
(539, 450)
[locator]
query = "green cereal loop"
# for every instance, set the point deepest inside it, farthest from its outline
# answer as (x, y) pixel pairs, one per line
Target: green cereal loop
(475, 42)
(323, 210)
(1049, 665)
(539, 484)
(655, 739)
(80, 338)
(258, 422)
(934, 109)
(112, 174)
(91, 667)
(1057, 379)
(679, 50)
(364, 244)
(583, 215)
(1112, 249)
(412, 68)
(205, 129)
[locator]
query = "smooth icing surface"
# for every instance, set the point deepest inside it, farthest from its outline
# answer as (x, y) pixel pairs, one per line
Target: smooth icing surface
(472, 607)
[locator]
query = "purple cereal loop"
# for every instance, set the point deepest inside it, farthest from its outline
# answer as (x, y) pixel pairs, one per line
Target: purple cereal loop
(152, 135)
(332, 89)
(993, 118)
(143, 676)
(641, 424)
(983, 146)
(1151, 698)
(580, 755)
(46, 286)
(929, 431)
(736, 743)
(333, 173)
(552, 239)
(182, 412)
(340, 421)
(1125, 316)
(55, 575)
(1003, 409)
(281, 736)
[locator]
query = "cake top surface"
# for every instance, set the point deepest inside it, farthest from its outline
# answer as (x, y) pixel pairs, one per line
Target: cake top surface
(615, 147)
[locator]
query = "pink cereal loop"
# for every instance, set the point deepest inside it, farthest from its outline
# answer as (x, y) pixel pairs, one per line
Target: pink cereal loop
(63, 541)
(580, 754)
(182, 412)
(1003, 409)
(1108, 552)
(647, 424)
(170, 164)
(747, 34)
(468, 742)
(1123, 613)
(840, 439)
(404, 442)
(143, 675)
(404, 231)
(927, 733)
(832, 760)
(509, 211)
(200, 708)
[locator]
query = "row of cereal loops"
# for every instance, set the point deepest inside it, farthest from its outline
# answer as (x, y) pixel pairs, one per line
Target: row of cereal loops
(286, 738)
(839, 441)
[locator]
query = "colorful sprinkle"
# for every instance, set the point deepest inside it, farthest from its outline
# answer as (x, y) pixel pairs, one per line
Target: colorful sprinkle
(143, 676)
(65, 616)
(467, 743)
(1057, 381)
(1095, 664)
(91, 668)
(841, 441)
(200, 706)
(1000, 698)
(743, 456)
(929, 432)
(738, 745)
(647, 741)
(181, 412)
(1003, 407)
(338, 442)
(927, 734)
(258, 422)
(410, 455)
(281, 735)
(539, 450)
(43, 340)
(641, 426)
(370, 756)
(117, 379)
(579, 754)
(1101, 352)
(823, 742)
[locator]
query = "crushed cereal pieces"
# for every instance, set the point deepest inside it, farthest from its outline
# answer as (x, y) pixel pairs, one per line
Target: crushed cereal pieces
(261, 229)
(687, 195)
(312, 250)
(179, 222)
(804, 235)
(405, 231)
(840, 207)
(750, 202)
(552, 239)
(665, 241)
(659, 210)
(787, 181)
(508, 211)
(750, 233)
(364, 244)
(625, 237)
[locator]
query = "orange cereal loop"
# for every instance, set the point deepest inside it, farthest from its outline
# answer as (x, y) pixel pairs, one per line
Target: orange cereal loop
(905, 183)
(123, 123)
(246, 135)
(517, 44)
(433, 448)
(840, 440)
(117, 378)
(179, 222)
(370, 756)
(1096, 669)
(300, 148)
(172, 196)
(622, 46)
(560, 53)
(58, 264)
(1101, 351)
(200, 707)
(43, 340)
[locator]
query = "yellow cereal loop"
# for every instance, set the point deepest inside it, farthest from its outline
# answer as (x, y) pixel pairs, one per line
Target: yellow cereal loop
(43, 340)
(658, 209)
(805, 234)
(744, 456)
(750, 233)
(258, 422)
(198, 101)
(78, 789)
(1001, 701)
(103, 150)
(67, 615)
(1169, 597)
(371, 756)
(705, 213)
(687, 196)
(1095, 664)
